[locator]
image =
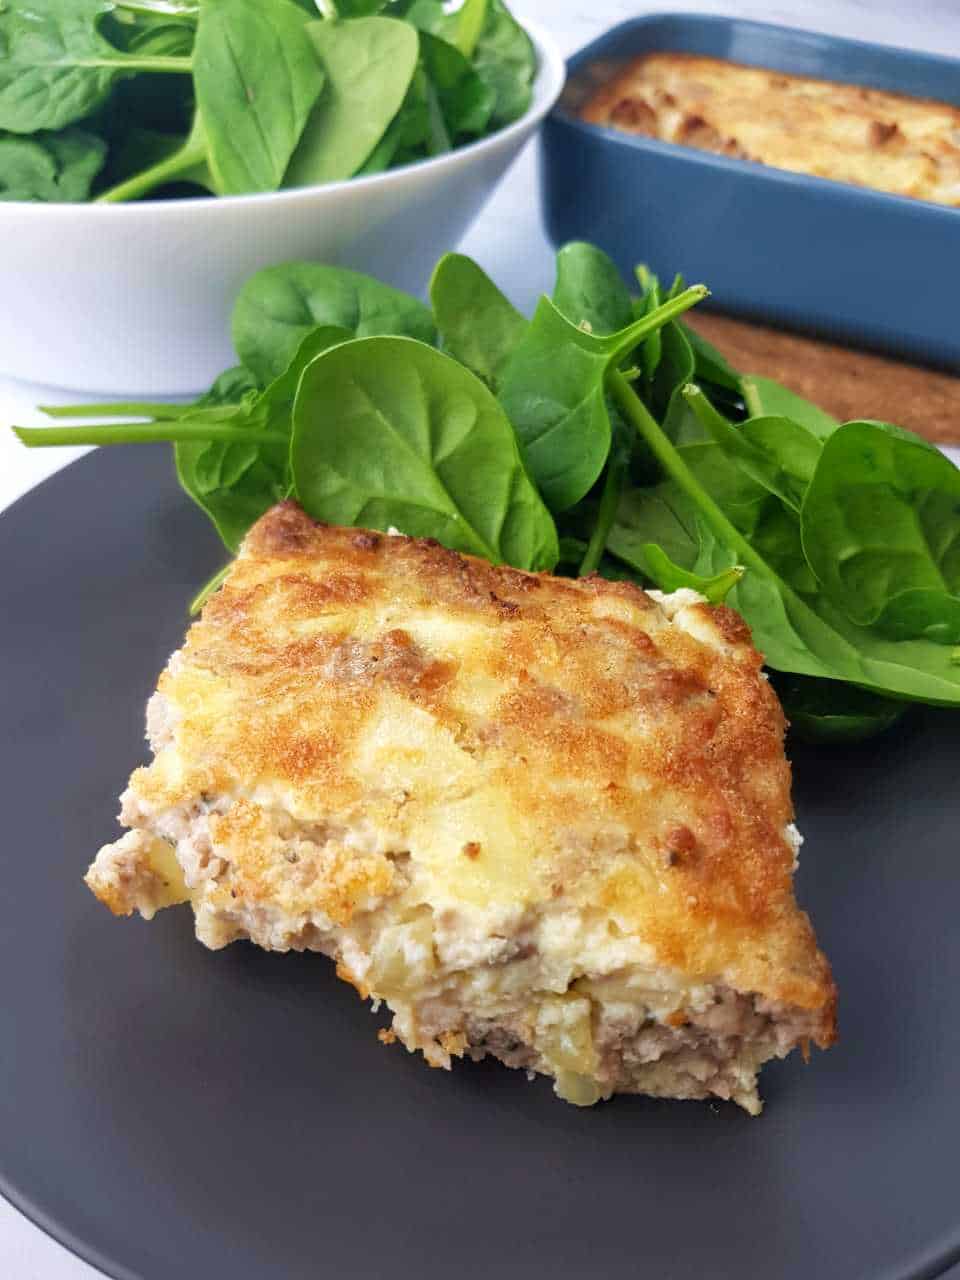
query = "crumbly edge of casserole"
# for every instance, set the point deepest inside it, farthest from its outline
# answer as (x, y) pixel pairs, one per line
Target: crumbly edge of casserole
(551, 989)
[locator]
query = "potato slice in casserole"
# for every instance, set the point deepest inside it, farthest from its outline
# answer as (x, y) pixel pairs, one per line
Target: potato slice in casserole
(541, 818)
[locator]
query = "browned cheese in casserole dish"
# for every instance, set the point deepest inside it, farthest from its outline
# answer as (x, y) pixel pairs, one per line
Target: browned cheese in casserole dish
(849, 133)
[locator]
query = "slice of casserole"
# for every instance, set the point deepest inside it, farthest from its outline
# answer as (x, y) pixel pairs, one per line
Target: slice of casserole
(539, 818)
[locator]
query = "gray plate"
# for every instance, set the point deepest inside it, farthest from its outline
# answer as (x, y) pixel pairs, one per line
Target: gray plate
(166, 1111)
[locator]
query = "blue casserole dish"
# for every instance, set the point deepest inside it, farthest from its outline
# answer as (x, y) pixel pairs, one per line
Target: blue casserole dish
(806, 253)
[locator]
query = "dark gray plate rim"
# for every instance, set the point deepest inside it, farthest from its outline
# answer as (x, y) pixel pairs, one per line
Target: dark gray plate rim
(164, 1106)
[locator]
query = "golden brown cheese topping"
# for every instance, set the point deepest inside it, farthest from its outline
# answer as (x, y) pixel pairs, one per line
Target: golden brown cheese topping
(524, 738)
(542, 819)
(849, 133)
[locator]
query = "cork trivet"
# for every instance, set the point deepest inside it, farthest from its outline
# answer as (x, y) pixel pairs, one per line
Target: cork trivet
(848, 384)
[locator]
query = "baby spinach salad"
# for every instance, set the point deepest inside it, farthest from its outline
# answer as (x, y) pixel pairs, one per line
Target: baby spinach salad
(114, 100)
(601, 435)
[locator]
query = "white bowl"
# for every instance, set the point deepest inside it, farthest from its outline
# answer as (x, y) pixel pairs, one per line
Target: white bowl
(135, 299)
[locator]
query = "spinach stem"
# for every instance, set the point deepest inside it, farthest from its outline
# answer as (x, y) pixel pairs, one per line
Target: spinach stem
(145, 433)
(136, 63)
(845, 655)
(208, 588)
(131, 409)
(656, 319)
(710, 418)
(155, 7)
(438, 142)
(751, 397)
(640, 416)
(609, 505)
(189, 163)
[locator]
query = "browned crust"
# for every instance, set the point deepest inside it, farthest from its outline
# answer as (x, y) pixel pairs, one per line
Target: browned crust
(643, 767)
(890, 141)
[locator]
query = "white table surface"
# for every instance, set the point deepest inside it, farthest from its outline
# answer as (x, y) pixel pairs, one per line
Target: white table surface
(509, 241)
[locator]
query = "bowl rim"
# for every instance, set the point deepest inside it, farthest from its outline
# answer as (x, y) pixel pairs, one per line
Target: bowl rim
(547, 86)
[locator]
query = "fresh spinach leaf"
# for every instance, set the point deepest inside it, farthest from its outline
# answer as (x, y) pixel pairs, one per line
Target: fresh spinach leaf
(674, 369)
(572, 551)
(924, 614)
(552, 389)
(50, 166)
(777, 453)
(476, 323)
(589, 289)
(504, 58)
(795, 634)
(657, 565)
(438, 140)
(709, 364)
(766, 398)
(771, 527)
(178, 160)
(390, 432)
(165, 39)
(353, 8)
(232, 387)
(801, 635)
(469, 23)
(650, 298)
(554, 392)
(232, 447)
(236, 481)
(408, 137)
(614, 484)
(660, 534)
(158, 11)
(668, 364)
(368, 64)
(776, 536)
(741, 497)
(465, 101)
(278, 306)
(662, 517)
(881, 530)
(793, 449)
(257, 77)
(234, 98)
(425, 15)
(751, 490)
(158, 103)
(56, 67)
(823, 711)
(756, 489)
